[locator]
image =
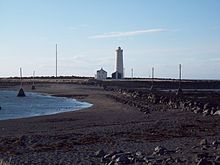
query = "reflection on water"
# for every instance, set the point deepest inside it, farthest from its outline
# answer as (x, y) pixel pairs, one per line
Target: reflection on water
(35, 104)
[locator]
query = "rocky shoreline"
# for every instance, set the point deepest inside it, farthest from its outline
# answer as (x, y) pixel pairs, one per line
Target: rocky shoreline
(206, 103)
(123, 127)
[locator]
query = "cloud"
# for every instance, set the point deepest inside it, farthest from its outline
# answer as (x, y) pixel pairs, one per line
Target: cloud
(128, 33)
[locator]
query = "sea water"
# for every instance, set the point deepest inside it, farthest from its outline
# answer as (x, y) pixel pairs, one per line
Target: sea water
(35, 104)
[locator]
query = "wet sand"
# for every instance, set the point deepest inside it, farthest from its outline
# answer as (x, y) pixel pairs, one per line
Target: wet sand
(74, 137)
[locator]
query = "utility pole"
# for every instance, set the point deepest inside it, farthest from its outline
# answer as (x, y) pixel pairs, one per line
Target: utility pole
(179, 91)
(21, 78)
(33, 85)
(132, 72)
(180, 75)
(21, 91)
(152, 79)
(56, 60)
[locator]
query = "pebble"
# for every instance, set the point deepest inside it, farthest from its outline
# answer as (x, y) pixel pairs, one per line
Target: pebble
(160, 150)
(122, 159)
(204, 162)
(111, 163)
(100, 153)
(217, 159)
(203, 142)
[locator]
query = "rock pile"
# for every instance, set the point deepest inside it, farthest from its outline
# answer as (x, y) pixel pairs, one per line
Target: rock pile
(146, 101)
(162, 155)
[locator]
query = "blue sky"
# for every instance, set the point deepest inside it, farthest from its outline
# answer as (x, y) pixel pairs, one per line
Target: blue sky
(159, 33)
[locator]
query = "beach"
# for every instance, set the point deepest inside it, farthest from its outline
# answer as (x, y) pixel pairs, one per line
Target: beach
(90, 135)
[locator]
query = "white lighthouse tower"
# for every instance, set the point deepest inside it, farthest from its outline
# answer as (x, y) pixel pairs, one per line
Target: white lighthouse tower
(119, 73)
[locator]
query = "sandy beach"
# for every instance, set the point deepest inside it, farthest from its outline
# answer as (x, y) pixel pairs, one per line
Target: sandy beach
(90, 136)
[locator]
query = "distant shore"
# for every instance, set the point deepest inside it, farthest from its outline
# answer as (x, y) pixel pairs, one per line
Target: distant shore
(108, 127)
(159, 83)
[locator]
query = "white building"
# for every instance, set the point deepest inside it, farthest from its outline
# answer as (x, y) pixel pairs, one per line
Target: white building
(101, 74)
(119, 73)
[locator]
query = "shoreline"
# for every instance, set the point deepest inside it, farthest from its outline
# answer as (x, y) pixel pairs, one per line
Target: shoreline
(108, 126)
(84, 105)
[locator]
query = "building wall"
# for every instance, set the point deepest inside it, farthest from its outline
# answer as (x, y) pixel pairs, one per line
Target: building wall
(101, 75)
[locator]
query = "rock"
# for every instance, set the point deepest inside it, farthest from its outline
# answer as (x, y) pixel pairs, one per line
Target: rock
(215, 143)
(201, 155)
(103, 160)
(217, 113)
(217, 159)
(213, 111)
(111, 163)
(178, 160)
(198, 110)
(178, 150)
(207, 106)
(207, 112)
(160, 150)
(203, 142)
(114, 155)
(110, 155)
(139, 155)
(204, 148)
(21, 93)
(122, 159)
(200, 105)
(204, 162)
(100, 153)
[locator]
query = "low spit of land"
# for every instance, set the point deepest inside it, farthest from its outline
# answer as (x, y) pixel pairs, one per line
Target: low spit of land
(124, 126)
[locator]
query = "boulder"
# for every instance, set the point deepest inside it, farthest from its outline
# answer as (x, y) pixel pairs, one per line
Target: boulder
(217, 113)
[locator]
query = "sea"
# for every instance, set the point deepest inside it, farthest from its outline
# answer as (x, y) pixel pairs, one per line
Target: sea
(35, 104)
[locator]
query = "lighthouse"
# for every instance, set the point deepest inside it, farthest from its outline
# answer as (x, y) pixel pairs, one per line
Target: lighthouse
(119, 73)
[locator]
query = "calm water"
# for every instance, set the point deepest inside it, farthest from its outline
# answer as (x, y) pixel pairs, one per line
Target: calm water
(35, 104)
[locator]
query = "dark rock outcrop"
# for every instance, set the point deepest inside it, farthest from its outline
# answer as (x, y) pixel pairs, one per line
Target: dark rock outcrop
(21, 93)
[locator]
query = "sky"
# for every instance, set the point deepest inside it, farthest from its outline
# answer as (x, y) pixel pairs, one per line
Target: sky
(153, 33)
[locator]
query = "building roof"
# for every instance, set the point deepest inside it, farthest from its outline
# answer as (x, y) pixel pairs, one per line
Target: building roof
(101, 70)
